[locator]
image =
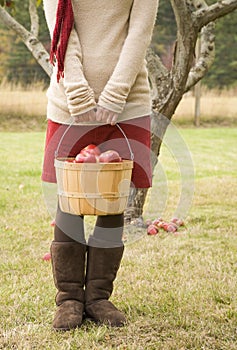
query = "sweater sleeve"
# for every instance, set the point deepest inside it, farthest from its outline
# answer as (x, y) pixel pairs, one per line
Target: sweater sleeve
(131, 59)
(80, 97)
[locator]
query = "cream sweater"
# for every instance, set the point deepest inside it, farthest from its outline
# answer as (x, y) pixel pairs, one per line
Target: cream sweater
(105, 59)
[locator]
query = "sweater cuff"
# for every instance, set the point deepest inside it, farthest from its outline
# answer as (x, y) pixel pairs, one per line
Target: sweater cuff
(81, 100)
(111, 106)
(114, 96)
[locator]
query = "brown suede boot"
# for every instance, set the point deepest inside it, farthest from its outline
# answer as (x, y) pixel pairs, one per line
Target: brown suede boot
(68, 264)
(102, 267)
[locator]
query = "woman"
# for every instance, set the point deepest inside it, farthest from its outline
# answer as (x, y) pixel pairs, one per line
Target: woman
(99, 79)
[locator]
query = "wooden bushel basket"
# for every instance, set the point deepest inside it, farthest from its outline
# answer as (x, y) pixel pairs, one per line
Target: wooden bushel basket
(93, 188)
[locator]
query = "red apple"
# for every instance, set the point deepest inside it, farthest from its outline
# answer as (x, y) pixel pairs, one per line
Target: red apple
(178, 221)
(70, 160)
(174, 219)
(152, 230)
(171, 227)
(164, 225)
(47, 257)
(158, 222)
(92, 149)
(110, 156)
(53, 223)
(85, 158)
(155, 222)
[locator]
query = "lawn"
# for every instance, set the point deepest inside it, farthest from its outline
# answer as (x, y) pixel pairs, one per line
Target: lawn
(177, 291)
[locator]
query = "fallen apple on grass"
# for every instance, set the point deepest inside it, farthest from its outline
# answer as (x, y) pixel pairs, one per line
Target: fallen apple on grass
(158, 222)
(152, 230)
(171, 226)
(53, 223)
(177, 221)
(47, 257)
(164, 225)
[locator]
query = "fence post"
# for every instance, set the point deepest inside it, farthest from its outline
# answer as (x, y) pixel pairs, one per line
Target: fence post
(197, 90)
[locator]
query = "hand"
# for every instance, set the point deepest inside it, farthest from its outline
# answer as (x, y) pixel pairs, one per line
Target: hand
(89, 116)
(106, 116)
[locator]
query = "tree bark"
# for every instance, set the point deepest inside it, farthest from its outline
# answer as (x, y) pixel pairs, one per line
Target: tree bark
(34, 18)
(207, 14)
(206, 59)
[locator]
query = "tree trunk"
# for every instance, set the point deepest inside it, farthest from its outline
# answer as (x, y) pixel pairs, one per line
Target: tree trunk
(134, 211)
(168, 87)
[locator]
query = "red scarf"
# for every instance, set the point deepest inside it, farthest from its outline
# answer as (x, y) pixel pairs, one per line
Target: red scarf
(62, 30)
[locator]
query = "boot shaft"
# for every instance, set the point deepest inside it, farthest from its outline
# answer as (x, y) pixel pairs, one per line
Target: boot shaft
(102, 268)
(68, 265)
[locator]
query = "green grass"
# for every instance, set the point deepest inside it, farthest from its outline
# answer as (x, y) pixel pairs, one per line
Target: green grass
(178, 292)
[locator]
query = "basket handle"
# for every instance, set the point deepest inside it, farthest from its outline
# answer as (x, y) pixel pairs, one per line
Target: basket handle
(61, 140)
(118, 126)
(126, 139)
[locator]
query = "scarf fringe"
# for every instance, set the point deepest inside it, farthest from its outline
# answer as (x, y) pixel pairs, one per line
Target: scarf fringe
(62, 30)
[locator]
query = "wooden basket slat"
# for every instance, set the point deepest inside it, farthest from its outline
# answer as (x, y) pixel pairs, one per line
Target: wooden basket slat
(93, 188)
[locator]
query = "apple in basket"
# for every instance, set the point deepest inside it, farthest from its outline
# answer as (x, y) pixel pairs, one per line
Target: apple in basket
(92, 149)
(110, 156)
(85, 158)
(88, 154)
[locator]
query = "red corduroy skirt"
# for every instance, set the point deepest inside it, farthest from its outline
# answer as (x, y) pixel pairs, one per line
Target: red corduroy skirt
(106, 137)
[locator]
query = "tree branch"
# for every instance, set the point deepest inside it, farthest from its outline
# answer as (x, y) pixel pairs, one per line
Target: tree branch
(31, 42)
(34, 18)
(203, 16)
(207, 48)
(157, 72)
(185, 45)
(183, 58)
(181, 9)
(207, 56)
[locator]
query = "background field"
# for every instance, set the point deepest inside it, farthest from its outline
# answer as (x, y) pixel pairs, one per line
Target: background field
(25, 109)
(178, 292)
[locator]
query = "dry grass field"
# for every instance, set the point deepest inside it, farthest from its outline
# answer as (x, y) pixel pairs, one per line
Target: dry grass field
(217, 107)
(27, 108)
